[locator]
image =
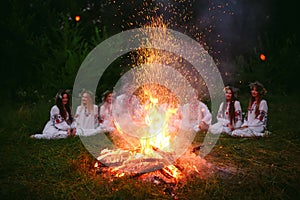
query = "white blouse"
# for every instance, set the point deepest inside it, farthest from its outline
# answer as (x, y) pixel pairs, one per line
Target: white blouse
(85, 119)
(193, 114)
(106, 116)
(223, 115)
(57, 122)
(257, 123)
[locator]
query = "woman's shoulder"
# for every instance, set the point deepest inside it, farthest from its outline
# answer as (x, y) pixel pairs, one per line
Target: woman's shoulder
(102, 104)
(55, 107)
(202, 104)
(263, 101)
(54, 110)
(236, 102)
(78, 107)
(221, 105)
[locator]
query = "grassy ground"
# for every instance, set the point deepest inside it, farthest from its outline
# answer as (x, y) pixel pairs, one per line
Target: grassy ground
(265, 168)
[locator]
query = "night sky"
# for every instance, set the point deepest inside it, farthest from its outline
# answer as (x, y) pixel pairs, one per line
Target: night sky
(237, 24)
(284, 17)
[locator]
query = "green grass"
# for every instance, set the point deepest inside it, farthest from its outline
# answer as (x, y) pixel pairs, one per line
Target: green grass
(264, 168)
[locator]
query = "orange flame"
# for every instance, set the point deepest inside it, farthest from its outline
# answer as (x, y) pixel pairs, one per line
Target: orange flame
(157, 119)
(172, 171)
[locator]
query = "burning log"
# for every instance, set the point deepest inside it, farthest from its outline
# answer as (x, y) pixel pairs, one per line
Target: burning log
(138, 167)
(121, 162)
(113, 158)
(171, 170)
(166, 155)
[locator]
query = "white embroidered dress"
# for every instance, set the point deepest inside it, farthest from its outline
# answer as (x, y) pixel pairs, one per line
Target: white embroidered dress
(224, 119)
(256, 124)
(86, 122)
(106, 117)
(56, 127)
(193, 114)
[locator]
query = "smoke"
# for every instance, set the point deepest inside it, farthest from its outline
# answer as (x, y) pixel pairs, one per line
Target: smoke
(226, 29)
(230, 28)
(234, 23)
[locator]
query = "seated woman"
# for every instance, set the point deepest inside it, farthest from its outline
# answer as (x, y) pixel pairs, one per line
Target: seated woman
(107, 123)
(86, 116)
(105, 114)
(229, 115)
(255, 121)
(195, 116)
(61, 123)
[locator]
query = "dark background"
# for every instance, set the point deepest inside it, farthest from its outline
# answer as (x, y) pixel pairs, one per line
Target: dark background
(42, 46)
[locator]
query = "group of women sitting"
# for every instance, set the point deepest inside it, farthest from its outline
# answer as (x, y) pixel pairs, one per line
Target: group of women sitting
(195, 115)
(85, 122)
(230, 114)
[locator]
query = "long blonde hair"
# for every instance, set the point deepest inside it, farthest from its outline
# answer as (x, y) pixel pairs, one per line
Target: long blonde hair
(89, 102)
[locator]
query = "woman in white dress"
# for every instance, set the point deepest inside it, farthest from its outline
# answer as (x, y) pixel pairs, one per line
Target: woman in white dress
(229, 115)
(195, 116)
(61, 123)
(86, 116)
(255, 121)
(105, 114)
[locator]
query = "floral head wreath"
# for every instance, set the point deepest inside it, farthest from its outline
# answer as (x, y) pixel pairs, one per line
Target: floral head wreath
(85, 91)
(260, 87)
(104, 95)
(59, 94)
(233, 89)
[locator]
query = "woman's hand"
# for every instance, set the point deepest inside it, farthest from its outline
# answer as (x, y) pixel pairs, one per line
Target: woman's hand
(203, 126)
(230, 126)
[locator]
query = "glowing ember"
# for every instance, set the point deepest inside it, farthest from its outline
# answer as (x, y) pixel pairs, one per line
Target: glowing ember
(262, 57)
(77, 18)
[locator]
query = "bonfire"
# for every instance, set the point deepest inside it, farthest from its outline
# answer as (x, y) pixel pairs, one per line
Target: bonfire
(155, 147)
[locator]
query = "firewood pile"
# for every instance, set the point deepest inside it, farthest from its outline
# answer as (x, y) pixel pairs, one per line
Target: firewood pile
(160, 169)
